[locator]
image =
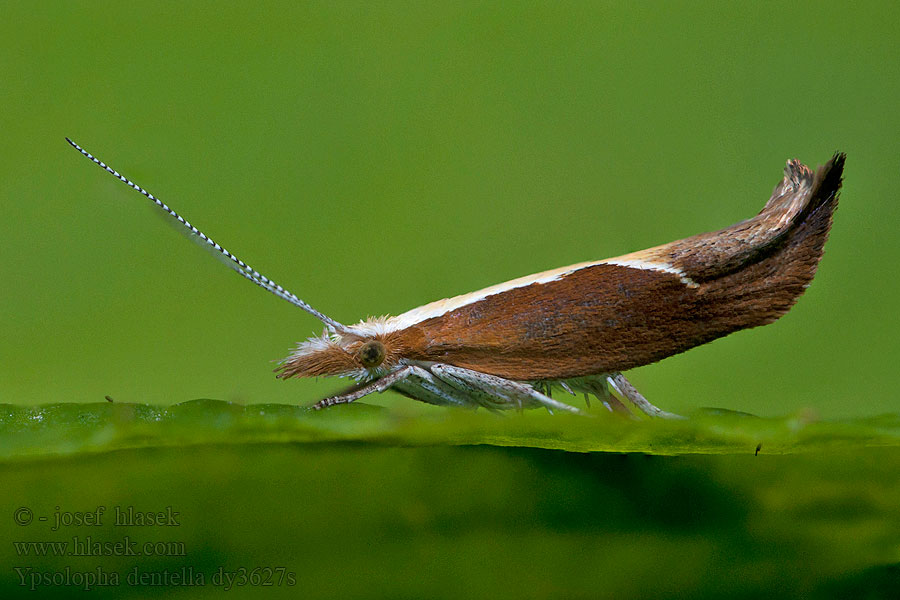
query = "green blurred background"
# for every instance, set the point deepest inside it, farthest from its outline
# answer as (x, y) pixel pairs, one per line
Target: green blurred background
(372, 157)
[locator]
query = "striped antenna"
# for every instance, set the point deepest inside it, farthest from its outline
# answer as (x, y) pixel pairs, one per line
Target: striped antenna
(231, 260)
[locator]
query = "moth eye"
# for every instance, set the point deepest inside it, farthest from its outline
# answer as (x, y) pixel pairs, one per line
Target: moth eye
(371, 354)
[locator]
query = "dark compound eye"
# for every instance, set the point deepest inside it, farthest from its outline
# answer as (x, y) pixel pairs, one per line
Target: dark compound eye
(371, 354)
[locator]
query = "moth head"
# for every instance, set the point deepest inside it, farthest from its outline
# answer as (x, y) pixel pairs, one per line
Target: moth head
(356, 352)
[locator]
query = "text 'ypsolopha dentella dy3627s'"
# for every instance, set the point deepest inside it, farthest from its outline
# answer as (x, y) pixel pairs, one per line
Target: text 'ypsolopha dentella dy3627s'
(575, 328)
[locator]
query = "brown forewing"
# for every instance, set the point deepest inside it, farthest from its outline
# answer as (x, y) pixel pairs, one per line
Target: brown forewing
(607, 318)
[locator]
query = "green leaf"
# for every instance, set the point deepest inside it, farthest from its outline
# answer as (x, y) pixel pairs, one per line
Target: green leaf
(73, 428)
(447, 504)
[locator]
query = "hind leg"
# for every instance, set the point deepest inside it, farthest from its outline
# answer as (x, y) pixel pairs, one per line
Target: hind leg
(628, 391)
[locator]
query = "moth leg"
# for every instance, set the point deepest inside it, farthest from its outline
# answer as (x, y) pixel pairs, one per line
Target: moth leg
(496, 392)
(479, 390)
(423, 386)
(628, 391)
(411, 381)
(379, 385)
(600, 388)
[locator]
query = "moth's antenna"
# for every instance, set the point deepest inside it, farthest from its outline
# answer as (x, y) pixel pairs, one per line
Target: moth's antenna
(232, 261)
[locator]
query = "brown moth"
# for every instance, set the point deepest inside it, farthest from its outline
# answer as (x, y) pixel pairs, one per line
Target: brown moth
(577, 327)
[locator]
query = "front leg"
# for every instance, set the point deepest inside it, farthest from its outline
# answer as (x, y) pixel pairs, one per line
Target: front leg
(379, 385)
(412, 381)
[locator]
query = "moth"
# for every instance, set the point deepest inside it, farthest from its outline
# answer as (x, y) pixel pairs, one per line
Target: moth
(575, 328)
